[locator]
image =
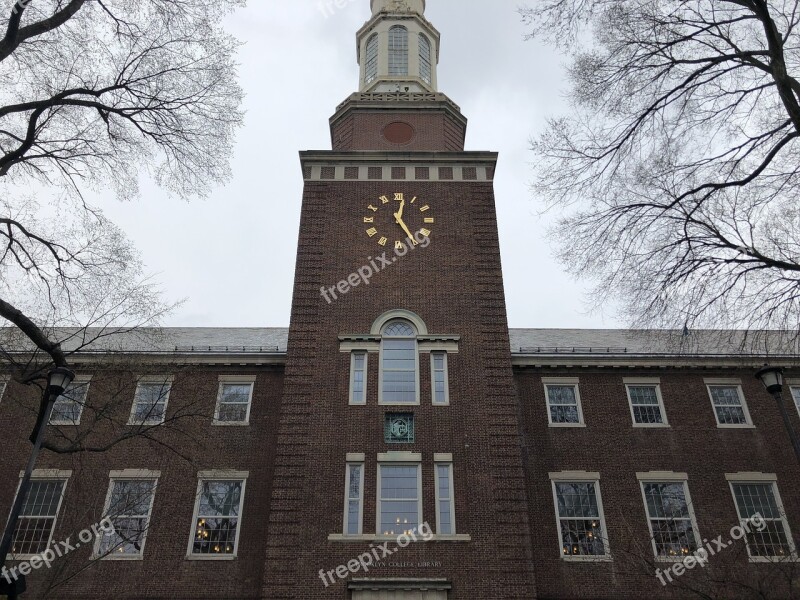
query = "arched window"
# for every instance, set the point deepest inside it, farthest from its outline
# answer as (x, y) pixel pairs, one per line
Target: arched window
(399, 363)
(425, 58)
(398, 51)
(371, 62)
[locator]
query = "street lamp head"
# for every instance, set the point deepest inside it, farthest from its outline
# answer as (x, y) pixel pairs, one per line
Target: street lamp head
(58, 380)
(772, 378)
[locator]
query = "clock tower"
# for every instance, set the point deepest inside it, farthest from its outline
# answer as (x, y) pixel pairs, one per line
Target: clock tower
(399, 468)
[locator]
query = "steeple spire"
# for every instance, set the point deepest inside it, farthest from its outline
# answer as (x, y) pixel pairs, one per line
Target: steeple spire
(398, 49)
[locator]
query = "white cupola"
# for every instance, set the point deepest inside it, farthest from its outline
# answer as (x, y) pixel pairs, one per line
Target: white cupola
(398, 49)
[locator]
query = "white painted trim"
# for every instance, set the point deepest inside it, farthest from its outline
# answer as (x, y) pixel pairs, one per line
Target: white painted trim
(659, 398)
(668, 477)
(416, 373)
(378, 515)
(722, 381)
(85, 381)
(398, 314)
(126, 475)
(563, 382)
(353, 355)
(784, 519)
(755, 477)
(601, 516)
(347, 498)
(3, 386)
(40, 475)
(446, 370)
(165, 380)
(393, 457)
(442, 457)
(212, 476)
(575, 476)
(795, 401)
(729, 383)
(451, 486)
(235, 380)
(355, 457)
(641, 380)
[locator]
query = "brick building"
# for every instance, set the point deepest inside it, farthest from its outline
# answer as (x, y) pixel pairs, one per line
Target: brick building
(398, 441)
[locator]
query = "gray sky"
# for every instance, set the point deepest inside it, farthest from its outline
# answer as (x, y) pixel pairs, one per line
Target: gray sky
(232, 256)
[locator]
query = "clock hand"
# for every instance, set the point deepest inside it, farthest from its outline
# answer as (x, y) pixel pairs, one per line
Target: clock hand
(405, 228)
(399, 213)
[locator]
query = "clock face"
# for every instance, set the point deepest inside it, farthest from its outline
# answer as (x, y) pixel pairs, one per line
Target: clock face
(396, 218)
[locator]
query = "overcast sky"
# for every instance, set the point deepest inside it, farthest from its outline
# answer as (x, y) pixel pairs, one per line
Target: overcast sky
(232, 256)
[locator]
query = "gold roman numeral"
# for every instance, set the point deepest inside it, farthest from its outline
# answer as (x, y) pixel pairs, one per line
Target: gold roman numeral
(414, 200)
(383, 241)
(425, 232)
(425, 208)
(398, 197)
(373, 208)
(429, 219)
(372, 232)
(369, 219)
(398, 245)
(384, 199)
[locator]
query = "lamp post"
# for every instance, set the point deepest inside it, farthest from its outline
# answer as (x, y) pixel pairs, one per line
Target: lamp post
(772, 378)
(58, 380)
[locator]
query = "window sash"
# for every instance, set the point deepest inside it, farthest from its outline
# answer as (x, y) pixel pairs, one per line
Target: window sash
(560, 410)
(425, 58)
(795, 394)
(354, 499)
(399, 371)
(150, 411)
(222, 541)
(131, 522)
(371, 63)
(234, 409)
(399, 512)
(358, 377)
(3, 385)
(646, 410)
(68, 407)
(36, 530)
(580, 535)
(729, 410)
(672, 535)
(445, 506)
(775, 541)
(440, 385)
(398, 51)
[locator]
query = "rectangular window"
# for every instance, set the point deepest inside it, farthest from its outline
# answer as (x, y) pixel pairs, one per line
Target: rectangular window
(358, 378)
(440, 384)
(399, 373)
(3, 384)
(581, 525)
(217, 516)
(563, 403)
(68, 407)
(670, 518)
(730, 407)
(129, 505)
(354, 499)
(445, 508)
(150, 402)
(234, 399)
(37, 520)
(795, 395)
(647, 406)
(769, 537)
(399, 499)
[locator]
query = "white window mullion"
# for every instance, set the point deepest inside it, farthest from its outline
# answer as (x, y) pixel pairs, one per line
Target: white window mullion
(37, 522)
(358, 377)
(439, 379)
(445, 505)
(670, 517)
(399, 498)
(217, 521)
(354, 499)
(129, 506)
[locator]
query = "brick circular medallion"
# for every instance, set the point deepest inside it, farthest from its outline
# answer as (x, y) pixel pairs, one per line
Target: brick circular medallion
(399, 132)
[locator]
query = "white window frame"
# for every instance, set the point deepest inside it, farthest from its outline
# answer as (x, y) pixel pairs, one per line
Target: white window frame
(563, 382)
(371, 60)
(353, 376)
(646, 382)
(166, 380)
(580, 477)
(127, 475)
(406, 459)
(763, 479)
(668, 477)
(3, 386)
(86, 381)
(737, 383)
(425, 63)
(43, 475)
(202, 477)
(443, 354)
(235, 380)
(416, 364)
(353, 461)
(445, 462)
(793, 385)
